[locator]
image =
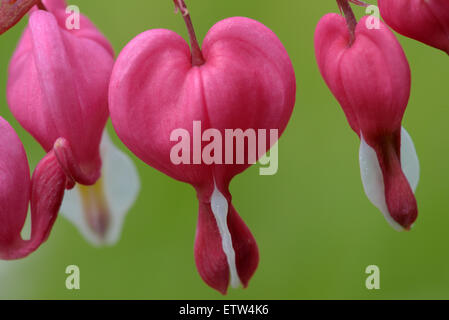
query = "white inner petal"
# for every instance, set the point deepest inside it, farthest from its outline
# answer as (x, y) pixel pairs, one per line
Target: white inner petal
(372, 177)
(409, 160)
(121, 185)
(219, 206)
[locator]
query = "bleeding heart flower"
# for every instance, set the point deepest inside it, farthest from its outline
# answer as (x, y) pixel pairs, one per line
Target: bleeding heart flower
(243, 79)
(368, 73)
(424, 20)
(45, 191)
(58, 91)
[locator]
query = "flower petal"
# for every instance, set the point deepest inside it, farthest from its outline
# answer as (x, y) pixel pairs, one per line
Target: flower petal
(372, 178)
(14, 171)
(98, 211)
(226, 252)
(57, 88)
(219, 206)
(409, 159)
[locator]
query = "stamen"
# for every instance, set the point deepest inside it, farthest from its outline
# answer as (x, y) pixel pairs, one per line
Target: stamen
(95, 208)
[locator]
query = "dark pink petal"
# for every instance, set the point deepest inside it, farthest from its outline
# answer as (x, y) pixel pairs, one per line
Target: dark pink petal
(45, 192)
(399, 196)
(213, 263)
(210, 258)
(15, 186)
(426, 21)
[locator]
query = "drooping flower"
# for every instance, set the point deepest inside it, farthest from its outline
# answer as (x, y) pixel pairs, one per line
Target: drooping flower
(368, 72)
(17, 191)
(58, 91)
(242, 78)
(424, 20)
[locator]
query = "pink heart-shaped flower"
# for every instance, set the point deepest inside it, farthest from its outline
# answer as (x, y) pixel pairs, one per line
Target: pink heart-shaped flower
(57, 87)
(371, 80)
(246, 81)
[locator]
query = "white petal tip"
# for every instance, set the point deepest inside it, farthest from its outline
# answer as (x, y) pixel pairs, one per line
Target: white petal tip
(98, 211)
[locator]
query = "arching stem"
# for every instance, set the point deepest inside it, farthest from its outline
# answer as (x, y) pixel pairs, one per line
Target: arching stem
(351, 21)
(197, 55)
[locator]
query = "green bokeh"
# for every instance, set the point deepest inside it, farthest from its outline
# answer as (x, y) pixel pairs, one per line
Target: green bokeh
(316, 230)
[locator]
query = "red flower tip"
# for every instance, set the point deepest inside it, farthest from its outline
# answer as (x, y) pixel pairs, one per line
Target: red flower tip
(226, 252)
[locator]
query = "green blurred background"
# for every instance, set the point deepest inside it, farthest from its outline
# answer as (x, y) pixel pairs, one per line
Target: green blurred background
(316, 230)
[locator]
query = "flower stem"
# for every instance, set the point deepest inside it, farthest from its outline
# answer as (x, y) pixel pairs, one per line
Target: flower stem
(197, 55)
(351, 21)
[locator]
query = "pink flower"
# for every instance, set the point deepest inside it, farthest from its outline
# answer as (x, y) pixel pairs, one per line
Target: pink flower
(45, 191)
(58, 91)
(57, 87)
(371, 80)
(426, 21)
(243, 79)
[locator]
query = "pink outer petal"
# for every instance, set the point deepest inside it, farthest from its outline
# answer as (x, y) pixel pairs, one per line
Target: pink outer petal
(426, 21)
(45, 191)
(209, 256)
(371, 79)
(57, 87)
(87, 28)
(14, 185)
(331, 39)
(154, 90)
(247, 82)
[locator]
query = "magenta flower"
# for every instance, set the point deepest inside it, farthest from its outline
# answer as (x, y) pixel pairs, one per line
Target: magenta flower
(58, 91)
(44, 191)
(424, 20)
(242, 78)
(368, 73)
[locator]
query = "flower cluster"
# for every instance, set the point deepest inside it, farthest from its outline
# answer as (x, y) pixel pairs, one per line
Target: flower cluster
(64, 83)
